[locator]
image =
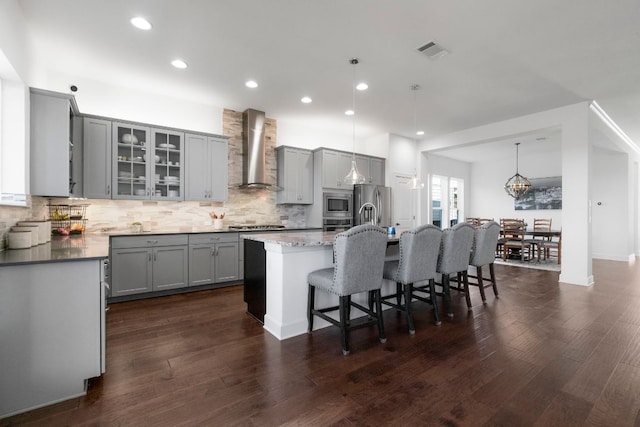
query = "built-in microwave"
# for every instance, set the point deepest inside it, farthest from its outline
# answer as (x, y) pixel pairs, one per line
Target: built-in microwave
(337, 205)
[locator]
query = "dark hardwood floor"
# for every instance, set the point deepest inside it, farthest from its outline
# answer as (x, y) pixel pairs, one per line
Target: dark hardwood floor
(544, 354)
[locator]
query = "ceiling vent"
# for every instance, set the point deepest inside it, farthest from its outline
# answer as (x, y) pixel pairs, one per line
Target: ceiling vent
(433, 50)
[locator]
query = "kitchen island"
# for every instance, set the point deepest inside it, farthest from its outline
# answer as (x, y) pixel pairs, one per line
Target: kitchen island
(288, 259)
(51, 321)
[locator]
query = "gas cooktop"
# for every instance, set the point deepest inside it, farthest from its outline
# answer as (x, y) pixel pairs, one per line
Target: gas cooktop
(255, 227)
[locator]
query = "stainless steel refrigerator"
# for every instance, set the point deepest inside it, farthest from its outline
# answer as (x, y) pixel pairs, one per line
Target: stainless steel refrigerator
(371, 205)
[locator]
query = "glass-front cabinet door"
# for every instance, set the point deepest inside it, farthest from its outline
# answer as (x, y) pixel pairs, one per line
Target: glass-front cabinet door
(167, 172)
(148, 163)
(130, 161)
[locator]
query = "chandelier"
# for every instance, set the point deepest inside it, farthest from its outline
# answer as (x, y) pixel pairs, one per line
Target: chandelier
(517, 186)
(354, 176)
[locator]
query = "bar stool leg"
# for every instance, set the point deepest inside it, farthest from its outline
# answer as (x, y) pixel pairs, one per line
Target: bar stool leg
(447, 294)
(310, 306)
(344, 320)
(408, 291)
(480, 283)
(381, 333)
(434, 303)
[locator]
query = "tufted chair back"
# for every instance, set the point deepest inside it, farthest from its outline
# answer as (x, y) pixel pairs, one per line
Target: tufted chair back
(419, 249)
(359, 259)
(455, 249)
(485, 242)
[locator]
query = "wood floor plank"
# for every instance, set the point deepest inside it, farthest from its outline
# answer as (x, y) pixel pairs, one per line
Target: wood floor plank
(543, 353)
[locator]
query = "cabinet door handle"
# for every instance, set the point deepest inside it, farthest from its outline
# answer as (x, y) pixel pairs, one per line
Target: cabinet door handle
(152, 242)
(148, 191)
(154, 257)
(149, 256)
(108, 190)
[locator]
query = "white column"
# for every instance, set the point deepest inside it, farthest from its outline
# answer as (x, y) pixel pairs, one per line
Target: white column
(576, 197)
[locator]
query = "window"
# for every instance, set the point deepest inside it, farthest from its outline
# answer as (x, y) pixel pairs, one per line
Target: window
(13, 136)
(447, 195)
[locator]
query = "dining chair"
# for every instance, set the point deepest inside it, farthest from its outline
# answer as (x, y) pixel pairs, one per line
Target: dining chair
(473, 221)
(513, 235)
(556, 245)
(453, 258)
(482, 221)
(483, 254)
(358, 264)
(419, 249)
(539, 224)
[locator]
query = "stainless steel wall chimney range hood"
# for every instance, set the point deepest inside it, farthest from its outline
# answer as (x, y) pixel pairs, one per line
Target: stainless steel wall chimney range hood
(254, 164)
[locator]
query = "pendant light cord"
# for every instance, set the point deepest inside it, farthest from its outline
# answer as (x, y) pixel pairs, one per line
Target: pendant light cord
(353, 108)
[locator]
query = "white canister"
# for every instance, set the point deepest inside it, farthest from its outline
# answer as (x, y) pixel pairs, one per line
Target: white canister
(31, 229)
(44, 229)
(20, 239)
(217, 224)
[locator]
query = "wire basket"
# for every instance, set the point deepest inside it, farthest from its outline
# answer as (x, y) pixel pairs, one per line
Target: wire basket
(67, 219)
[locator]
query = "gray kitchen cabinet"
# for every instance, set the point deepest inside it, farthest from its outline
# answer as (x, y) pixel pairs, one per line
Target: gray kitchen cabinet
(213, 258)
(96, 144)
(131, 271)
(363, 167)
(52, 144)
(147, 163)
(295, 176)
(335, 165)
(206, 168)
(141, 264)
(372, 168)
(376, 171)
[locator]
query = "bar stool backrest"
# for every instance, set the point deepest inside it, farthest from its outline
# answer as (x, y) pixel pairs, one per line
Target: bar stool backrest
(419, 249)
(484, 245)
(455, 248)
(359, 259)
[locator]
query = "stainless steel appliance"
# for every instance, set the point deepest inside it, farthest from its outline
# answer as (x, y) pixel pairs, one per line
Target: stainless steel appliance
(372, 205)
(336, 224)
(337, 205)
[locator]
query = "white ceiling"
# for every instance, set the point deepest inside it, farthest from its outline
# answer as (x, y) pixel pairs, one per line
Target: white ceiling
(507, 58)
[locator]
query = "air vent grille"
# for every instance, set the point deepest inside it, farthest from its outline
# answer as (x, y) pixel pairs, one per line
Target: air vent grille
(433, 50)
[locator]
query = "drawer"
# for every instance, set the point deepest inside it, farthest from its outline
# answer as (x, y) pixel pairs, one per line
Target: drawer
(195, 239)
(150, 240)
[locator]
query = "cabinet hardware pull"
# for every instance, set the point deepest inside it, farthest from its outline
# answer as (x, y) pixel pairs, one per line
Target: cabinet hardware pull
(108, 190)
(149, 257)
(154, 257)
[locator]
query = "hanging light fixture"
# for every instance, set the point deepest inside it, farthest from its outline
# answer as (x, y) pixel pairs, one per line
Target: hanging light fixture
(354, 176)
(415, 183)
(517, 186)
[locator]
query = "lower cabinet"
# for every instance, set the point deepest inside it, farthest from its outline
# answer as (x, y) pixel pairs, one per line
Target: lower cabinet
(213, 258)
(149, 263)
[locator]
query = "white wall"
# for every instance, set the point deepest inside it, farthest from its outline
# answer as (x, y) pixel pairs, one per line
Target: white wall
(119, 102)
(487, 198)
(302, 136)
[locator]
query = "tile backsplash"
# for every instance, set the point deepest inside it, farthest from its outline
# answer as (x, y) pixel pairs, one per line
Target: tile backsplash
(241, 207)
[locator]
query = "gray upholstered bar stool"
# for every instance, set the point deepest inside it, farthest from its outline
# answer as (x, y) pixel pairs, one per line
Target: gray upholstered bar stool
(419, 249)
(484, 253)
(455, 251)
(358, 262)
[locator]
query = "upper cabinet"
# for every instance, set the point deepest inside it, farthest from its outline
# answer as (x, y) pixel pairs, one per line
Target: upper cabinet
(336, 164)
(206, 167)
(96, 145)
(295, 176)
(147, 163)
(54, 145)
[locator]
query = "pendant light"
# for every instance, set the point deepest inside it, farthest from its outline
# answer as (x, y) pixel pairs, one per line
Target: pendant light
(517, 186)
(354, 176)
(415, 183)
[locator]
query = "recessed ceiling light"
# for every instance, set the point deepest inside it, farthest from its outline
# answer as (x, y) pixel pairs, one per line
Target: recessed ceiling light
(306, 100)
(362, 86)
(141, 23)
(251, 84)
(349, 112)
(179, 63)
(420, 132)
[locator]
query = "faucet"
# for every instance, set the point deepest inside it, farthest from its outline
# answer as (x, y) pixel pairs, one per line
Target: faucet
(375, 212)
